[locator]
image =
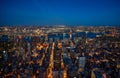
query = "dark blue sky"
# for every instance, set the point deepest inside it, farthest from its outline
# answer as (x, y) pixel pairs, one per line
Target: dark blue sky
(57, 12)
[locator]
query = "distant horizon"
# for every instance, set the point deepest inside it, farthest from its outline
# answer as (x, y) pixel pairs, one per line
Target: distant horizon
(59, 25)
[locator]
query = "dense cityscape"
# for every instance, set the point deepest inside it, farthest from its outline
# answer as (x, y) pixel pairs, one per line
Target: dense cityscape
(59, 52)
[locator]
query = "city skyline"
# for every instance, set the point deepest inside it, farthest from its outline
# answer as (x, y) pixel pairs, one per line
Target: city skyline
(60, 12)
(59, 52)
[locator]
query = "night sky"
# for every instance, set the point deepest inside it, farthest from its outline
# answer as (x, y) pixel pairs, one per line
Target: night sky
(60, 12)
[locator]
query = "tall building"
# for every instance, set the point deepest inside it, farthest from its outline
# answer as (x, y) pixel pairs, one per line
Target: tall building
(29, 48)
(64, 36)
(46, 37)
(82, 62)
(70, 34)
